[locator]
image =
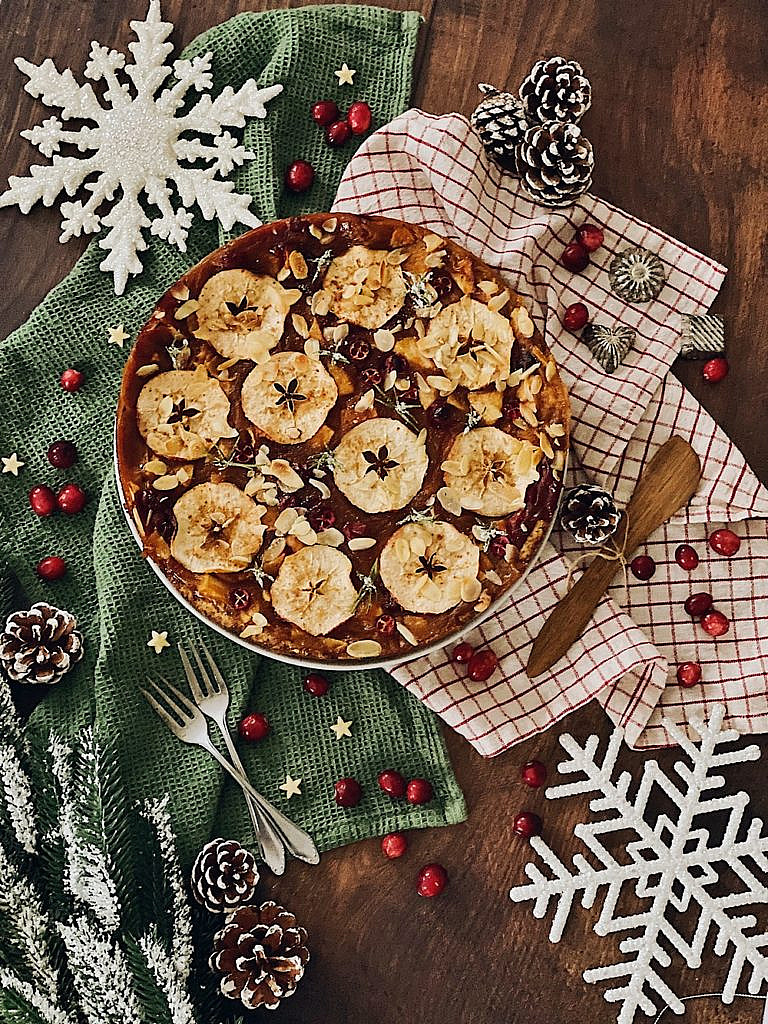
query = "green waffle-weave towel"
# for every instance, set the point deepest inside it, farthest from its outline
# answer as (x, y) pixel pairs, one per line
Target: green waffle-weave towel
(115, 595)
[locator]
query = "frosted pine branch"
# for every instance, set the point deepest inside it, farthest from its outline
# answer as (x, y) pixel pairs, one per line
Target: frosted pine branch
(102, 978)
(32, 995)
(29, 924)
(168, 980)
(17, 794)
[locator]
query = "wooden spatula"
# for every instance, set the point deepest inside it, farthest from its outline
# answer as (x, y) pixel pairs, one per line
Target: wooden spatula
(669, 481)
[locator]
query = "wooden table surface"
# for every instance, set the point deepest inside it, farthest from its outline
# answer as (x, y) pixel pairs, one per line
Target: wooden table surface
(678, 126)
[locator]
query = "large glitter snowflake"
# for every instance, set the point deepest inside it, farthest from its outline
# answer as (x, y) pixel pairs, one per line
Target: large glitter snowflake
(134, 138)
(673, 864)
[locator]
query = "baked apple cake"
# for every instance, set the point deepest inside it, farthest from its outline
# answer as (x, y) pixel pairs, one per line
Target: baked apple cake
(341, 437)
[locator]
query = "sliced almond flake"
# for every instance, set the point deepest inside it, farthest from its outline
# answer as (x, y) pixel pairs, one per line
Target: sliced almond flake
(321, 302)
(487, 287)
(521, 321)
(186, 309)
(421, 437)
(450, 501)
(228, 362)
(435, 259)
(273, 550)
(286, 474)
(384, 340)
(184, 474)
(315, 231)
(433, 241)
(498, 301)
(364, 649)
(519, 423)
(147, 370)
(339, 332)
(407, 634)
(493, 577)
(361, 543)
(550, 370)
(509, 552)
(331, 537)
(137, 520)
(298, 265)
(282, 273)
(365, 401)
(439, 382)
(558, 462)
(165, 483)
(482, 604)
(555, 429)
(322, 487)
(155, 466)
(330, 224)
(253, 485)
(251, 630)
(528, 412)
(312, 348)
(360, 275)
(420, 328)
(180, 292)
(535, 384)
(293, 295)
(390, 379)
(471, 502)
(300, 325)
(293, 432)
(286, 519)
(402, 384)
(545, 446)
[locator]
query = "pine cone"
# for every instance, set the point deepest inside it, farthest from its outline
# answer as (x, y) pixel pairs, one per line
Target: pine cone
(500, 122)
(555, 163)
(261, 954)
(556, 89)
(224, 876)
(40, 645)
(589, 514)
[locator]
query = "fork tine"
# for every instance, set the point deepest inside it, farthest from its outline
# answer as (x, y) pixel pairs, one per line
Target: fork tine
(185, 709)
(210, 689)
(189, 672)
(215, 670)
(160, 711)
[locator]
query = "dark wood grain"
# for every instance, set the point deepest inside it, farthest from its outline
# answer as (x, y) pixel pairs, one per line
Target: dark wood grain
(678, 125)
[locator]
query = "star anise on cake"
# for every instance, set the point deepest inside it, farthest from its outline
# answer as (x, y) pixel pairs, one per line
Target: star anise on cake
(181, 412)
(380, 462)
(236, 308)
(429, 567)
(289, 395)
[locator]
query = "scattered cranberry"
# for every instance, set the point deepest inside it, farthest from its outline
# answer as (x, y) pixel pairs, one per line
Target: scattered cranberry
(240, 599)
(516, 525)
(715, 623)
(322, 518)
(724, 542)
(354, 528)
(395, 362)
(254, 727)
(441, 413)
(688, 674)
(686, 557)
(358, 349)
(482, 665)
(527, 824)
(419, 791)
(71, 380)
(347, 792)
(510, 406)
(42, 500)
(371, 376)
(316, 685)
(432, 880)
(325, 112)
(392, 783)
(71, 499)
(385, 624)
(534, 774)
(590, 236)
(62, 454)
(715, 370)
(359, 117)
(394, 845)
(643, 567)
(51, 568)
(299, 176)
(575, 258)
(463, 653)
(498, 546)
(337, 133)
(575, 317)
(698, 604)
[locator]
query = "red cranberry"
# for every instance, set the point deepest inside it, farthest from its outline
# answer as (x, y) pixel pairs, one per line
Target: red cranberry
(359, 117)
(71, 499)
(254, 727)
(510, 406)
(358, 349)
(322, 518)
(354, 528)
(385, 624)
(42, 500)
(299, 176)
(516, 527)
(347, 792)
(441, 413)
(51, 568)
(337, 133)
(643, 567)
(240, 599)
(575, 317)
(724, 542)
(316, 685)
(498, 546)
(715, 370)
(462, 653)
(575, 258)
(590, 236)
(715, 623)
(534, 774)
(688, 674)
(71, 380)
(698, 604)
(419, 791)
(62, 454)
(325, 112)
(482, 665)
(411, 393)
(686, 557)
(432, 880)
(395, 362)
(370, 377)
(392, 783)
(527, 824)
(394, 845)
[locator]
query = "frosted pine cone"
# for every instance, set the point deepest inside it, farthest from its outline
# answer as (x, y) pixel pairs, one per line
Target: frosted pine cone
(589, 514)
(224, 876)
(500, 122)
(555, 163)
(40, 645)
(261, 954)
(556, 89)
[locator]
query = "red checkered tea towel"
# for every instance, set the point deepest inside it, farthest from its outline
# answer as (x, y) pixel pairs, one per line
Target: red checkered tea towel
(434, 171)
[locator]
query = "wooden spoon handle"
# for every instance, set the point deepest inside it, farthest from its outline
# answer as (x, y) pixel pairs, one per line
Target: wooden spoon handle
(669, 481)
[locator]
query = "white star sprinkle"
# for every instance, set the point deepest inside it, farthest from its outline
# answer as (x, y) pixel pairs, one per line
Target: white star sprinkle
(158, 641)
(346, 74)
(12, 464)
(117, 336)
(341, 728)
(291, 787)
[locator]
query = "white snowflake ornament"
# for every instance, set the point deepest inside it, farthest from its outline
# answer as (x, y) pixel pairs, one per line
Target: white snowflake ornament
(672, 865)
(134, 143)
